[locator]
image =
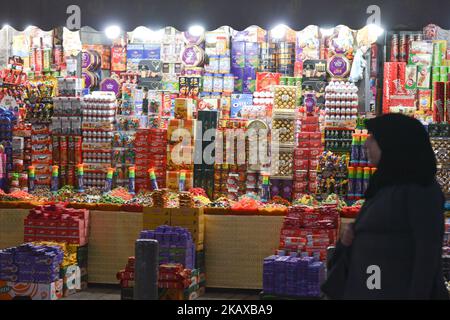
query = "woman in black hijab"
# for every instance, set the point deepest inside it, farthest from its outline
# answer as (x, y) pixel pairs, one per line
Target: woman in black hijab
(394, 248)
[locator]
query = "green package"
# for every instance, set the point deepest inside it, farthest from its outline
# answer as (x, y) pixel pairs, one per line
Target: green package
(411, 77)
(437, 58)
(423, 77)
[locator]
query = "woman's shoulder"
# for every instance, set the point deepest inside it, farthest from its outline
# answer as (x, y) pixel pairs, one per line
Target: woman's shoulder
(431, 192)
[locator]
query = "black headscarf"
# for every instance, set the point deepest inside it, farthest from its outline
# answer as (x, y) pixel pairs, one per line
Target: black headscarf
(406, 153)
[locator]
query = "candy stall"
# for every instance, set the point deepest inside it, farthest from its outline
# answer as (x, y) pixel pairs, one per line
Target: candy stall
(241, 152)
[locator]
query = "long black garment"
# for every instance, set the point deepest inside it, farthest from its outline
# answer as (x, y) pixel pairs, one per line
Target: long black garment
(400, 230)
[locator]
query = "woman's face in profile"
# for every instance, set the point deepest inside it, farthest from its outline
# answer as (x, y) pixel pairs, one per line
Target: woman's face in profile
(373, 150)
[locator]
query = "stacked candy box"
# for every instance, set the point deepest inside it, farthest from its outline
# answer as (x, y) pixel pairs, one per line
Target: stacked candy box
(292, 276)
(332, 174)
(176, 245)
(30, 263)
(57, 223)
(310, 230)
(99, 110)
(126, 278)
(177, 283)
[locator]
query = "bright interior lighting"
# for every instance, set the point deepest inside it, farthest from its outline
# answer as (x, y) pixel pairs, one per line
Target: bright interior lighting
(326, 31)
(5, 26)
(142, 33)
(196, 30)
(375, 30)
(279, 31)
(113, 32)
(156, 35)
(28, 28)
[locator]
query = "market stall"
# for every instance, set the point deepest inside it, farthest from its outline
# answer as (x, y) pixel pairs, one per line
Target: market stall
(230, 264)
(241, 152)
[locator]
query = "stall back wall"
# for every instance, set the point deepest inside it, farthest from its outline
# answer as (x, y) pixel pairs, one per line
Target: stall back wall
(395, 15)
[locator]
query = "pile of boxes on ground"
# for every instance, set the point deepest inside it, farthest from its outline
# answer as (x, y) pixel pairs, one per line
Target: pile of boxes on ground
(52, 263)
(298, 268)
(181, 269)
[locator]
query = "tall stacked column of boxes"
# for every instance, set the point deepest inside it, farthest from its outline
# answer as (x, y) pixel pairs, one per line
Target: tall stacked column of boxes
(440, 84)
(21, 153)
(67, 226)
(31, 271)
(41, 152)
(66, 129)
(204, 168)
(66, 137)
(151, 153)
(229, 163)
(306, 154)
(181, 138)
(283, 135)
(99, 110)
(193, 219)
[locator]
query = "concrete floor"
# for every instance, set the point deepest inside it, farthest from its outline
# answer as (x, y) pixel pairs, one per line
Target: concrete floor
(111, 292)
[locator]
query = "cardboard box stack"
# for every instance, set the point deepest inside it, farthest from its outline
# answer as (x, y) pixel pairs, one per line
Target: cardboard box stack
(284, 127)
(150, 152)
(57, 223)
(244, 64)
(66, 137)
(180, 151)
(126, 278)
(41, 152)
(292, 276)
(177, 283)
(81, 254)
(181, 276)
(227, 159)
(310, 230)
(21, 152)
(204, 171)
(306, 153)
(175, 245)
(99, 110)
(31, 272)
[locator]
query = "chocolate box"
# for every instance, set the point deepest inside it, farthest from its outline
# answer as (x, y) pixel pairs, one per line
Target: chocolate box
(314, 70)
(151, 51)
(423, 78)
(31, 291)
(237, 102)
(411, 77)
(265, 80)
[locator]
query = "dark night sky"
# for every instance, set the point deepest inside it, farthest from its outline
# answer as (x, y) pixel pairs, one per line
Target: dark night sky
(239, 14)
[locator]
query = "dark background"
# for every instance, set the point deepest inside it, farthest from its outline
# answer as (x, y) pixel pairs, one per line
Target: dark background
(238, 14)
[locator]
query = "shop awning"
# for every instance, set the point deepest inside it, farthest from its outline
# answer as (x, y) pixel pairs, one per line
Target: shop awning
(238, 14)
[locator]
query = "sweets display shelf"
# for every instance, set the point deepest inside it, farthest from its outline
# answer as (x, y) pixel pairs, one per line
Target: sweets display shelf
(99, 110)
(440, 141)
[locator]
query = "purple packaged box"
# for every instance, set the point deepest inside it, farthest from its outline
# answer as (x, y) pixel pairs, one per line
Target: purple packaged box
(46, 268)
(238, 74)
(159, 236)
(238, 47)
(238, 54)
(152, 51)
(135, 52)
(167, 237)
(8, 268)
(249, 83)
(237, 102)
(25, 278)
(249, 73)
(251, 48)
(6, 257)
(9, 277)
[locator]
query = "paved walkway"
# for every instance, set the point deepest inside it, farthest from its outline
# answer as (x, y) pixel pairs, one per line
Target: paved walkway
(103, 292)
